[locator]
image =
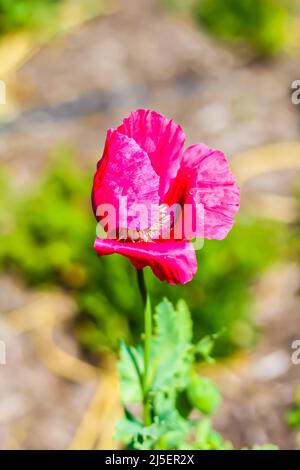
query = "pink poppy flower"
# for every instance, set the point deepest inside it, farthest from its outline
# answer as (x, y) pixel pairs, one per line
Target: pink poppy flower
(144, 162)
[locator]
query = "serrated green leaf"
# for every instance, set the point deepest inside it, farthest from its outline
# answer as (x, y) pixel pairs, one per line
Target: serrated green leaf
(172, 427)
(203, 394)
(127, 430)
(164, 433)
(205, 346)
(165, 321)
(184, 321)
(171, 347)
(208, 439)
(174, 431)
(130, 367)
(164, 404)
(134, 434)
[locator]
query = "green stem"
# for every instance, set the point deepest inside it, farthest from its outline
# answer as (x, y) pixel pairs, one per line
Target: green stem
(147, 345)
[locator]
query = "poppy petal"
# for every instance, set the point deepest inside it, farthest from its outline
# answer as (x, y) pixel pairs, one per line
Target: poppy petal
(161, 139)
(209, 183)
(125, 171)
(174, 262)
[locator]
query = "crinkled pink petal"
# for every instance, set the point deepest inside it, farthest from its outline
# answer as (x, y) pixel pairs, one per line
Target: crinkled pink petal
(161, 139)
(174, 262)
(205, 179)
(125, 170)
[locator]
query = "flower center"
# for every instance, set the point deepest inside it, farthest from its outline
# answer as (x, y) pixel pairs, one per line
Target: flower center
(156, 231)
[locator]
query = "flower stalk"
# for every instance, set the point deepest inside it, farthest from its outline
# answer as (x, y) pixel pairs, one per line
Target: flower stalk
(147, 346)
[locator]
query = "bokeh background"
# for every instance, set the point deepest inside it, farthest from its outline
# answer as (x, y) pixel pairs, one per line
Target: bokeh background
(73, 68)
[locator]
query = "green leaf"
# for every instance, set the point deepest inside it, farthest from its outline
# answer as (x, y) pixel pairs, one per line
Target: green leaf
(172, 427)
(127, 430)
(293, 417)
(205, 346)
(203, 394)
(174, 430)
(165, 324)
(183, 404)
(207, 439)
(172, 354)
(165, 433)
(130, 367)
(184, 322)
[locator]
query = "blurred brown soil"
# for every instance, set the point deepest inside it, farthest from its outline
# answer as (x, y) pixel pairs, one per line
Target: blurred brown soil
(40, 408)
(78, 85)
(259, 388)
(72, 91)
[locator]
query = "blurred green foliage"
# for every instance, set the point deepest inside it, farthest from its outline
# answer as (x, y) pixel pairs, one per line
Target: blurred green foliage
(258, 26)
(174, 391)
(47, 236)
(295, 239)
(220, 296)
(18, 14)
(183, 5)
(293, 415)
(182, 402)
